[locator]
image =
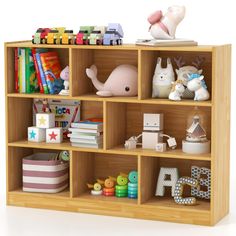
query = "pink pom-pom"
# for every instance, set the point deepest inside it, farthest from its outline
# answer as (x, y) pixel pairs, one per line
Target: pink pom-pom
(155, 17)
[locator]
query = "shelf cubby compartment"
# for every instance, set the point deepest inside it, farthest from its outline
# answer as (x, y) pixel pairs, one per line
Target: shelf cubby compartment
(126, 119)
(150, 168)
(63, 54)
(22, 109)
(148, 65)
(14, 168)
(88, 167)
(106, 61)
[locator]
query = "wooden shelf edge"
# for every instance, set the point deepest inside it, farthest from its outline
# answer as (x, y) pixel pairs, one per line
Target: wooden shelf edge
(93, 97)
(113, 201)
(177, 154)
(28, 43)
(38, 95)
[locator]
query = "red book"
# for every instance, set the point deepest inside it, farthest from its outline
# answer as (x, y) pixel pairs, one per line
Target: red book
(37, 71)
(52, 69)
(16, 71)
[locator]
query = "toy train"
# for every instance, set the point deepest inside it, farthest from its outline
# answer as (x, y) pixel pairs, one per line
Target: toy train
(87, 35)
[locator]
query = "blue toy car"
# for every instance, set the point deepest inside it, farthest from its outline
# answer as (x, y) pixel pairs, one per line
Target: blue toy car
(113, 35)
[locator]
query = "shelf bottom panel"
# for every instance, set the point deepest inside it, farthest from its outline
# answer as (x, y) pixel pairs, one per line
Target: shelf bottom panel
(166, 202)
(110, 207)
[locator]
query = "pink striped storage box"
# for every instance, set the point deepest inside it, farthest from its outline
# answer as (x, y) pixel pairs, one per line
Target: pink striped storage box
(43, 173)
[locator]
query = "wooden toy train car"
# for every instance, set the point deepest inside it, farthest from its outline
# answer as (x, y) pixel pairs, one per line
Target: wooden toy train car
(87, 35)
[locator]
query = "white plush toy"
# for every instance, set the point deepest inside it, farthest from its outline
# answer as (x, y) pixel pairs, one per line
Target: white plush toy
(164, 26)
(198, 85)
(161, 83)
(177, 90)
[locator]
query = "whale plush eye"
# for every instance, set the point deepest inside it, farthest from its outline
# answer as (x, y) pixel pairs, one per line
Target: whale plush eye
(127, 89)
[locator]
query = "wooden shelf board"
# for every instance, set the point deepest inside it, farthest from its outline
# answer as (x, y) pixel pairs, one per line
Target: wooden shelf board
(63, 194)
(28, 43)
(177, 153)
(66, 145)
(168, 202)
(38, 95)
(185, 102)
(88, 197)
(94, 97)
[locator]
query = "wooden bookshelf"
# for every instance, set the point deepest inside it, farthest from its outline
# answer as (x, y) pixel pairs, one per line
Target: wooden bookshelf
(122, 119)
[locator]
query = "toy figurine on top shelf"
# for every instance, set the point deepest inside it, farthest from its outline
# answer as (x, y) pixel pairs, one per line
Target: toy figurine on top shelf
(164, 26)
(94, 35)
(83, 34)
(113, 34)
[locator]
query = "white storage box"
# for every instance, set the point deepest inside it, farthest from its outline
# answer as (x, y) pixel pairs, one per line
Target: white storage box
(42, 172)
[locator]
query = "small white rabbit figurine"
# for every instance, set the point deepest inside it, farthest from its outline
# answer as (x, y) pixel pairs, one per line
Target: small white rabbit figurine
(198, 85)
(161, 83)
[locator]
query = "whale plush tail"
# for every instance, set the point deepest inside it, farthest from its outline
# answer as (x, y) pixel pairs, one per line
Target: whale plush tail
(92, 74)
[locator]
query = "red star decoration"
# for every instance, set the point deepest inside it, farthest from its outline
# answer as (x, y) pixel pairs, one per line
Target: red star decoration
(53, 136)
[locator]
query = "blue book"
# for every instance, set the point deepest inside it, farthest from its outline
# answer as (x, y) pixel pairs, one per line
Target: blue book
(42, 75)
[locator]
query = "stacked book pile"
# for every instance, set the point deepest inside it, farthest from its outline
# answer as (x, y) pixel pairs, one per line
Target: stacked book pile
(87, 134)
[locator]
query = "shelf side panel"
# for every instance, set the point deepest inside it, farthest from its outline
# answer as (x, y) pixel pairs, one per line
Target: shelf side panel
(220, 131)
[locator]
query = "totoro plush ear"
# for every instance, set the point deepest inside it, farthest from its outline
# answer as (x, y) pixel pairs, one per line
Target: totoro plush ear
(177, 71)
(168, 60)
(159, 60)
(200, 72)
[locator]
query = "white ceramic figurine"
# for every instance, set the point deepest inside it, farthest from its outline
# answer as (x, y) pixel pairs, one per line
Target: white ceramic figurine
(164, 26)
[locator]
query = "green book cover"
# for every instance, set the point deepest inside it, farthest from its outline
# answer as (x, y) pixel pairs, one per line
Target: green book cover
(31, 79)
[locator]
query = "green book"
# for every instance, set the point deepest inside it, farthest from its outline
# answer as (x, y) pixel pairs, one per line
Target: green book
(30, 74)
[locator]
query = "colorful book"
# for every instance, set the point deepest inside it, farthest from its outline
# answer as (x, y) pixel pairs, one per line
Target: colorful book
(41, 90)
(42, 76)
(98, 126)
(19, 70)
(52, 69)
(30, 76)
(23, 80)
(16, 71)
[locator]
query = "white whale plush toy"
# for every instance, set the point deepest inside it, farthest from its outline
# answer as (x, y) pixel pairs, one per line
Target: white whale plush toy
(164, 26)
(123, 81)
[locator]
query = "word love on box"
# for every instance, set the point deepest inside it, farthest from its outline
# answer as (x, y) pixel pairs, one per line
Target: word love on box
(54, 135)
(45, 120)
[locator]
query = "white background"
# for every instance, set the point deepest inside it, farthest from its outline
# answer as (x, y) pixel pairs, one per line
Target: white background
(208, 22)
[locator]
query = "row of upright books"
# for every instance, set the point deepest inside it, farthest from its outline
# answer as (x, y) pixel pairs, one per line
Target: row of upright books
(37, 70)
(87, 134)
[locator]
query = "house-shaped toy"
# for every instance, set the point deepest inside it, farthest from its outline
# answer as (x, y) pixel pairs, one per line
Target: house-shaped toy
(196, 133)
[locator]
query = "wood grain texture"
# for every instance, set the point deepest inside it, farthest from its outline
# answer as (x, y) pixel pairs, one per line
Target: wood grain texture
(123, 117)
(220, 132)
(109, 208)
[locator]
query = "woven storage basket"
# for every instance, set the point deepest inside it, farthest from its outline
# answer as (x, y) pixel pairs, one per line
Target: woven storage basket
(43, 172)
